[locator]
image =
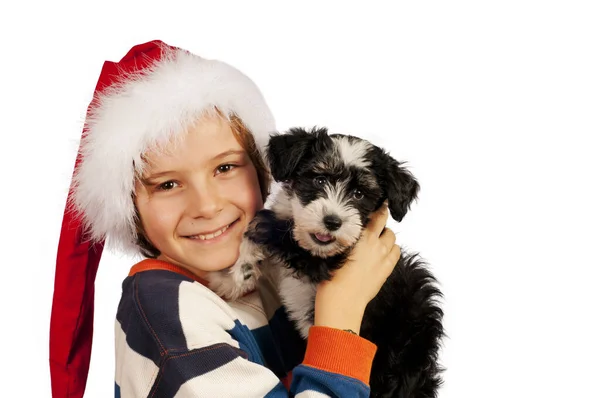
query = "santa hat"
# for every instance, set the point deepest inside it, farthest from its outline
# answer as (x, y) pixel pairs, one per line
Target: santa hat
(149, 96)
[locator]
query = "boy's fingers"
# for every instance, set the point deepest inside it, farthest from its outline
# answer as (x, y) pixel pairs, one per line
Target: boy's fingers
(379, 219)
(393, 257)
(388, 238)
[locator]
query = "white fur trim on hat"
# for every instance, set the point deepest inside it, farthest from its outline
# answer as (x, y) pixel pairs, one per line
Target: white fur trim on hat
(146, 108)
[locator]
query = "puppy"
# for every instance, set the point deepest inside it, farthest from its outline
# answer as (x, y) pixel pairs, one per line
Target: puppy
(330, 186)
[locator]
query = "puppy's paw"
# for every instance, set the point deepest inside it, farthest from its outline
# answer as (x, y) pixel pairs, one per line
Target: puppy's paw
(263, 227)
(241, 278)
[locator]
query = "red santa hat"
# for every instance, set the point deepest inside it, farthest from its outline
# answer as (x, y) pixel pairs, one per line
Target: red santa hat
(154, 93)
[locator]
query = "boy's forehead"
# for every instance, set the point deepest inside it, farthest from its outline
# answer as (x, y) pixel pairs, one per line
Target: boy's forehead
(204, 140)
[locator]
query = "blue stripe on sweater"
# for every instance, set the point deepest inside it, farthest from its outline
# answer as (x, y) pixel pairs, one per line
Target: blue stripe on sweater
(179, 368)
(150, 315)
(330, 384)
(277, 392)
(245, 338)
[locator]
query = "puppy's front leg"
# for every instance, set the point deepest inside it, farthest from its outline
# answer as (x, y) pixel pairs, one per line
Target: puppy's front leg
(265, 228)
(237, 280)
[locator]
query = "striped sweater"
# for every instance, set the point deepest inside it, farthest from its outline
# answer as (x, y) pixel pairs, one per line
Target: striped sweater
(176, 338)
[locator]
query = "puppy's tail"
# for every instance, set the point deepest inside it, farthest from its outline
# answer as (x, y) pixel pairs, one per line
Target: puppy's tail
(405, 322)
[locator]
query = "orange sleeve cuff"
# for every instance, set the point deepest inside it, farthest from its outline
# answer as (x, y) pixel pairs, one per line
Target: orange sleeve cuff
(336, 351)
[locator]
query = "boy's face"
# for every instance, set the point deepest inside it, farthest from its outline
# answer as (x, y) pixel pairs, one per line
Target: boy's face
(197, 196)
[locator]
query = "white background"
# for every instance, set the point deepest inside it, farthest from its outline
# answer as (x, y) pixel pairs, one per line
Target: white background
(495, 106)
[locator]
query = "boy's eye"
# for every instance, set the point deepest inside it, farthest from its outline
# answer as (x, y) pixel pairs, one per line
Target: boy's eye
(167, 186)
(224, 168)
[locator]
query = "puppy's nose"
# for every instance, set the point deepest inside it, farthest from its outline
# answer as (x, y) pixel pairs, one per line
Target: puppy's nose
(333, 223)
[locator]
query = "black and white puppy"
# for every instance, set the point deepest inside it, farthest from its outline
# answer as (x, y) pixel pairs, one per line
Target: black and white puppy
(330, 186)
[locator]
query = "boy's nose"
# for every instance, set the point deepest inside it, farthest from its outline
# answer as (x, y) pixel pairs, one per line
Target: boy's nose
(205, 202)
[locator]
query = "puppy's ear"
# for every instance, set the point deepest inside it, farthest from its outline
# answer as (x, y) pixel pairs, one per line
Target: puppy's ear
(399, 185)
(286, 151)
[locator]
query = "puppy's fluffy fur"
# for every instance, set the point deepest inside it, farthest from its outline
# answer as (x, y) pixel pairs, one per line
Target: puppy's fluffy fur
(330, 186)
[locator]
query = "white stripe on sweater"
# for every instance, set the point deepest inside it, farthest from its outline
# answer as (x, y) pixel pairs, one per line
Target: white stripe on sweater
(249, 310)
(205, 318)
(134, 373)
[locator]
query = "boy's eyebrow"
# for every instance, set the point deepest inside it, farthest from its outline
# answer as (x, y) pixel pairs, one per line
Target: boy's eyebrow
(146, 180)
(160, 174)
(230, 152)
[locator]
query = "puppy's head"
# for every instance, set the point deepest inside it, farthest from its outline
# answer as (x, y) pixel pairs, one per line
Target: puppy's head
(334, 182)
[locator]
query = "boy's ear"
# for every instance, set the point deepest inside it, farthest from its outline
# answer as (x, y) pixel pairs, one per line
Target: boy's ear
(400, 186)
(286, 151)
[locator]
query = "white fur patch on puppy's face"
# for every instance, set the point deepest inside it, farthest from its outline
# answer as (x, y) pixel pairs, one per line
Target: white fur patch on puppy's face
(352, 153)
(309, 221)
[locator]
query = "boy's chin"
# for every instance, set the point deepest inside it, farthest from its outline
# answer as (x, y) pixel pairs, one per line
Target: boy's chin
(216, 261)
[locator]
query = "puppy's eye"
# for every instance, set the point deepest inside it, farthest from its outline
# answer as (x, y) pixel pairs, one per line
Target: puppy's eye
(320, 181)
(358, 194)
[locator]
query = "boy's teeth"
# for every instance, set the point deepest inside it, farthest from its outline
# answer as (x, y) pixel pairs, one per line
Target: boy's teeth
(211, 236)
